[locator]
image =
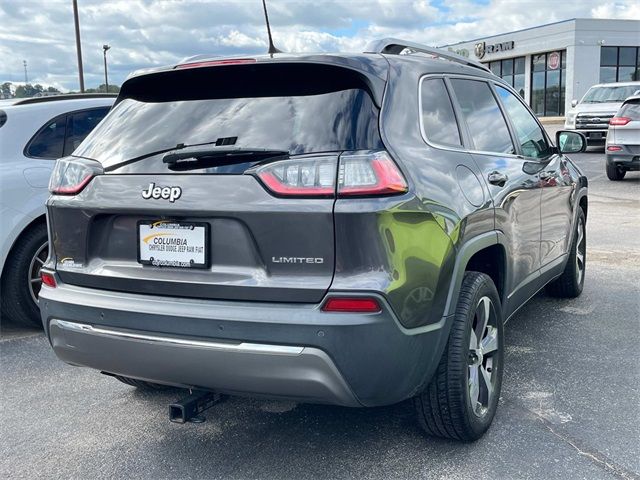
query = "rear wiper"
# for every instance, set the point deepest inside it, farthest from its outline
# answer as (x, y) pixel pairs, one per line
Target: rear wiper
(197, 157)
(158, 152)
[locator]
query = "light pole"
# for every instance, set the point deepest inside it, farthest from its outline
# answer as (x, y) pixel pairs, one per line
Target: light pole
(26, 78)
(76, 21)
(106, 78)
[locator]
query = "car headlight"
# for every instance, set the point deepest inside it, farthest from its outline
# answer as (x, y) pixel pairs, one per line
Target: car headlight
(570, 121)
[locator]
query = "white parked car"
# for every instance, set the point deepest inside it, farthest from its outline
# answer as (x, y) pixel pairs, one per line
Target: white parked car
(34, 132)
(623, 140)
(591, 115)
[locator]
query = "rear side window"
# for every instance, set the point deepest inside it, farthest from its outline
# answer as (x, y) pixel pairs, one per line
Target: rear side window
(79, 125)
(630, 110)
(438, 120)
(484, 118)
(49, 141)
(530, 136)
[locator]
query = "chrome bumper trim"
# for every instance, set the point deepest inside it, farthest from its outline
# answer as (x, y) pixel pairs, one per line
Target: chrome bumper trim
(223, 346)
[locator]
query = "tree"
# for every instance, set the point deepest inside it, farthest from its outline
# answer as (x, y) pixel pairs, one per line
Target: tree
(101, 89)
(5, 90)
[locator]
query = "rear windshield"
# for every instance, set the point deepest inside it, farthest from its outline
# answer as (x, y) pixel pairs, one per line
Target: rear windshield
(329, 121)
(630, 110)
(610, 94)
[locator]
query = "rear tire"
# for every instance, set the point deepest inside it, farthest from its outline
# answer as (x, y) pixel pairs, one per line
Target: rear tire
(142, 385)
(19, 294)
(462, 398)
(615, 173)
(571, 282)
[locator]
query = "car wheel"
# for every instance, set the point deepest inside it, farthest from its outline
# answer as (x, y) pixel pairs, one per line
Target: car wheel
(462, 398)
(615, 173)
(571, 282)
(142, 385)
(21, 277)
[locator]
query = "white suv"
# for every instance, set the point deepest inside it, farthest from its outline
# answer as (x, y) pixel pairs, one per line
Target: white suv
(34, 132)
(591, 115)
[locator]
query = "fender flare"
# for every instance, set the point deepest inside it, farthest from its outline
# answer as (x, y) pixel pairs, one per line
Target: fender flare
(465, 253)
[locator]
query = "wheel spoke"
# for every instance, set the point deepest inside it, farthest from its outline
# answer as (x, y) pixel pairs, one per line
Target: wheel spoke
(36, 280)
(484, 309)
(489, 343)
(473, 340)
(39, 260)
(580, 235)
(486, 381)
(474, 387)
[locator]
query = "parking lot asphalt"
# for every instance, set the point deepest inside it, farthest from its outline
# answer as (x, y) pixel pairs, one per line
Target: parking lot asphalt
(570, 405)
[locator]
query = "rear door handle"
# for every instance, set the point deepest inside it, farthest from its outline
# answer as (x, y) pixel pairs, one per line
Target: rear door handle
(497, 178)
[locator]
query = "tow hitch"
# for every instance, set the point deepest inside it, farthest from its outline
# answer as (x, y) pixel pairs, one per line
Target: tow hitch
(189, 408)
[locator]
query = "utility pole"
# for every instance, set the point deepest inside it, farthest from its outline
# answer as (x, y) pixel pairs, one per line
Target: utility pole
(78, 47)
(26, 77)
(106, 78)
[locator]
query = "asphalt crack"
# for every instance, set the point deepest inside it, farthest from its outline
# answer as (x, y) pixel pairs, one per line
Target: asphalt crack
(594, 456)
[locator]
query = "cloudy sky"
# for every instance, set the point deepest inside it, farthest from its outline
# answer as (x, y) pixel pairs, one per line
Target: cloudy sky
(146, 33)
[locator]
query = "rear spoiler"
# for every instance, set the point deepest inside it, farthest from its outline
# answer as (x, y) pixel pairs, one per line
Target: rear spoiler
(252, 79)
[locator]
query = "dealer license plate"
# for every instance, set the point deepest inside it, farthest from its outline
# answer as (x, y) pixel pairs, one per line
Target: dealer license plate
(173, 244)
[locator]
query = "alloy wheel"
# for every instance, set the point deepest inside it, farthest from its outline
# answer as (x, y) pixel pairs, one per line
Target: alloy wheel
(581, 247)
(483, 362)
(35, 282)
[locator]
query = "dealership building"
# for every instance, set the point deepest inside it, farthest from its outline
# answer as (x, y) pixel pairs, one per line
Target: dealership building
(552, 64)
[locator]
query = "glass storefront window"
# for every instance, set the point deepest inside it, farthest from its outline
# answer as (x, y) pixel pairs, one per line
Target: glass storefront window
(511, 70)
(619, 64)
(548, 83)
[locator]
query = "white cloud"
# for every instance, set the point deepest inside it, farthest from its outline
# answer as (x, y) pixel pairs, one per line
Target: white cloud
(145, 33)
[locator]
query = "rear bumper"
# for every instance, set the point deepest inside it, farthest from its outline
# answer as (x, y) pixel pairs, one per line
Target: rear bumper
(594, 135)
(624, 158)
(292, 351)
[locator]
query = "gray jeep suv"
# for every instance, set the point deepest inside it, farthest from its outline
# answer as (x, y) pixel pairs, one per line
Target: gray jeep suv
(351, 229)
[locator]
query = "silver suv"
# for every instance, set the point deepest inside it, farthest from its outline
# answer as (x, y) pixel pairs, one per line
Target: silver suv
(591, 115)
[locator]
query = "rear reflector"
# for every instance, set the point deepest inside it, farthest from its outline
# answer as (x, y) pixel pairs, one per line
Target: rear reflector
(613, 148)
(48, 279)
(214, 63)
(352, 305)
(619, 121)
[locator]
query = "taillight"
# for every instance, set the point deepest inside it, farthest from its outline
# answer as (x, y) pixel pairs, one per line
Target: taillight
(619, 121)
(214, 63)
(369, 174)
(48, 279)
(613, 148)
(352, 305)
(70, 175)
(357, 174)
(303, 177)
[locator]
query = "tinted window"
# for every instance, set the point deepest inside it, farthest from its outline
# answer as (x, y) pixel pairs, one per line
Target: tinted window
(530, 135)
(49, 141)
(486, 124)
(79, 125)
(339, 120)
(438, 119)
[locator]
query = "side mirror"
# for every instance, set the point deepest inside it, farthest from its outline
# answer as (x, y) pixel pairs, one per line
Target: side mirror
(574, 102)
(570, 141)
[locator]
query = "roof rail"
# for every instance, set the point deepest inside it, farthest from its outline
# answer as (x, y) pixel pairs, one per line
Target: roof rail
(64, 96)
(394, 46)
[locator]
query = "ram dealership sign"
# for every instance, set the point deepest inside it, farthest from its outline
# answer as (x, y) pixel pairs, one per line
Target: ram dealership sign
(481, 49)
